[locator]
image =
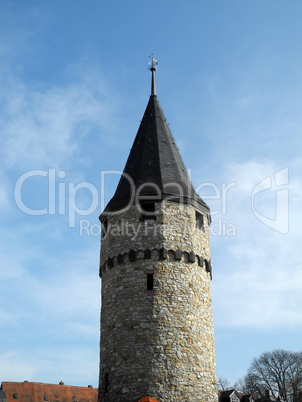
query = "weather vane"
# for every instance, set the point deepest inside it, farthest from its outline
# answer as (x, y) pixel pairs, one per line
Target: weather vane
(152, 63)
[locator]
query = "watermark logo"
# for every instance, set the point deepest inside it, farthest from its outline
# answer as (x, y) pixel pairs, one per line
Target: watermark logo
(58, 190)
(149, 228)
(66, 198)
(278, 185)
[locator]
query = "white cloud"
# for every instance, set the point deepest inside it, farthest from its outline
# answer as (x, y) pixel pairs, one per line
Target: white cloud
(261, 267)
(14, 366)
(72, 365)
(45, 126)
(50, 299)
(64, 286)
(50, 312)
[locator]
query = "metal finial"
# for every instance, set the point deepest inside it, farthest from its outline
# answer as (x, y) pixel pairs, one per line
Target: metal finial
(153, 63)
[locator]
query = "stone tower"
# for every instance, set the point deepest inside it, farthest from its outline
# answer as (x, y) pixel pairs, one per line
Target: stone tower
(157, 336)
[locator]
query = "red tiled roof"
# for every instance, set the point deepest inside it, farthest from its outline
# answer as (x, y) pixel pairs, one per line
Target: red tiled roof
(36, 392)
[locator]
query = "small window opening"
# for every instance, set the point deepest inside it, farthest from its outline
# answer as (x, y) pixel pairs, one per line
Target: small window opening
(148, 209)
(149, 281)
(199, 220)
(15, 396)
(106, 382)
(45, 398)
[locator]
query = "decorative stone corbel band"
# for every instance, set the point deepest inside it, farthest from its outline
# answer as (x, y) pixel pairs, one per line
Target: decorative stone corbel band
(161, 254)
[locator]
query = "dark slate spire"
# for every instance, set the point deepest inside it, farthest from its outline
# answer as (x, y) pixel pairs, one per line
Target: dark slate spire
(154, 168)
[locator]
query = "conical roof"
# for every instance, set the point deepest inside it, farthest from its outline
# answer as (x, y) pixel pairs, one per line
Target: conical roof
(154, 168)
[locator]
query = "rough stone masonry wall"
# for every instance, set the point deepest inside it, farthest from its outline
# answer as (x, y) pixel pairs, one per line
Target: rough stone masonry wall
(159, 342)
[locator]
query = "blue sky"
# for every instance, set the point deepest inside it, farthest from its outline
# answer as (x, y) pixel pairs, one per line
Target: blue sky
(74, 85)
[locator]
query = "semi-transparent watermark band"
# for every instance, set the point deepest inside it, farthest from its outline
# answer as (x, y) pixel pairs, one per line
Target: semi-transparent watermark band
(63, 197)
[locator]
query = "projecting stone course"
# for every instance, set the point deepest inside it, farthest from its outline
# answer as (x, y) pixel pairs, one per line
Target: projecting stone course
(158, 342)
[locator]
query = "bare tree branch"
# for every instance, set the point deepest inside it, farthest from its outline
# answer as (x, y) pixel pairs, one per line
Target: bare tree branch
(279, 371)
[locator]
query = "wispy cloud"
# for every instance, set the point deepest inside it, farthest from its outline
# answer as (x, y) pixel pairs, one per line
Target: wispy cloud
(261, 267)
(46, 126)
(50, 287)
(15, 364)
(73, 365)
(53, 312)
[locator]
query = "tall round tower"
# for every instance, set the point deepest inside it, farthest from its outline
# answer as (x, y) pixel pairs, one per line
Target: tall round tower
(157, 336)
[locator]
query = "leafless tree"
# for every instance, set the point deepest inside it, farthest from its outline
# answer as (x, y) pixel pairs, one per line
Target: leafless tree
(279, 371)
(223, 384)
